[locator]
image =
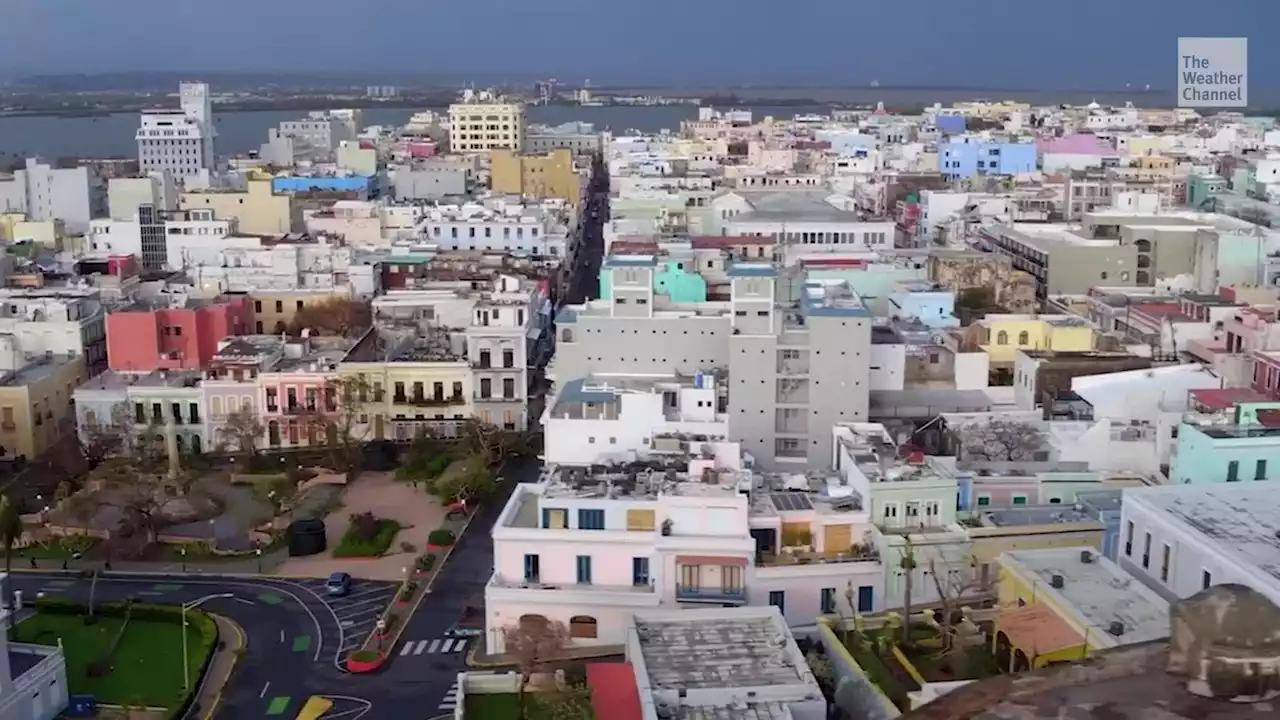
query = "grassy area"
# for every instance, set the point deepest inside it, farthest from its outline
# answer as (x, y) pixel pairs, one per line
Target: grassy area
(374, 545)
(506, 706)
(146, 669)
(59, 549)
(977, 663)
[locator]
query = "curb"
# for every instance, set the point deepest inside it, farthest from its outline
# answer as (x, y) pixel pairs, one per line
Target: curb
(240, 644)
(398, 630)
(473, 662)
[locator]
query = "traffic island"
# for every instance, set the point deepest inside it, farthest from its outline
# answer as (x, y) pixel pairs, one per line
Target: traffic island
(373, 653)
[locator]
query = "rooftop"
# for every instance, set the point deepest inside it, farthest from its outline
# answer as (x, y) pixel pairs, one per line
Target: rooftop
(641, 481)
(1240, 520)
(116, 380)
(1098, 591)
(1037, 515)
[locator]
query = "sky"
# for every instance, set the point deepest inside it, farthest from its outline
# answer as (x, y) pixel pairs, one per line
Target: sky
(1007, 44)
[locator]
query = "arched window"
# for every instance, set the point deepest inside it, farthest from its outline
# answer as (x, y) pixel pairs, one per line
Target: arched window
(566, 335)
(90, 418)
(582, 626)
(1024, 338)
(273, 433)
(1002, 338)
(533, 622)
(196, 447)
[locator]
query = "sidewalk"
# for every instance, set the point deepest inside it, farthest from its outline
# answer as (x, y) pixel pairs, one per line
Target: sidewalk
(232, 642)
(478, 659)
(270, 562)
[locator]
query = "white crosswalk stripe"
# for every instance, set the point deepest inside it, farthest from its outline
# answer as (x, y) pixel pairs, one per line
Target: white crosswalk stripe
(438, 646)
(450, 698)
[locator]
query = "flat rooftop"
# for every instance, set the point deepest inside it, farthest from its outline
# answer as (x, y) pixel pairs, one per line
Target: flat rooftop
(719, 649)
(1099, 591)
(116, 380)
(1240, 520)
(1036, 515)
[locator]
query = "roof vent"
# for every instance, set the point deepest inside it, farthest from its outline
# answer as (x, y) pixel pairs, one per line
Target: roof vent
(1116, 628)
(1086, 557)
(1057, 581)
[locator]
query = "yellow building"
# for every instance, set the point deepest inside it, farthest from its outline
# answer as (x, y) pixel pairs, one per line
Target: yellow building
(35, 403)
(1003, 335)
(995, 531)
(484, 123)
(1146, 145)
(412, 384)
(7, 221)
(541, 176)
(1060, 604)
(1155, 163)
(257, 210)
(273, 311)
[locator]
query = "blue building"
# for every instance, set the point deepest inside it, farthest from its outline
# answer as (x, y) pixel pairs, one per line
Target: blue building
(950, 124)
(365, 185)
(965, 157)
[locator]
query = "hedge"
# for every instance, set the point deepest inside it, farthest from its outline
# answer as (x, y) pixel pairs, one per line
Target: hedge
(351, 546)
(442, 537)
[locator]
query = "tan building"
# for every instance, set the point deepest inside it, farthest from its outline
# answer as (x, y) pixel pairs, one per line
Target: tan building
(552, 175)
(273, 311)
(257, 210)
(1029, 527)
(35, 403)
(486, 124)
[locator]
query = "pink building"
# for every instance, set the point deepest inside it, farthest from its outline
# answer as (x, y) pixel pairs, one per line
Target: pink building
(147, 337)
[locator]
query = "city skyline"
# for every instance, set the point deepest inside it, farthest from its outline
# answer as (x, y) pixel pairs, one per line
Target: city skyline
(1096, 45)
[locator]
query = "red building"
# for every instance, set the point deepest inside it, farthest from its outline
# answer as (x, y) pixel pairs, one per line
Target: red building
(159, 336)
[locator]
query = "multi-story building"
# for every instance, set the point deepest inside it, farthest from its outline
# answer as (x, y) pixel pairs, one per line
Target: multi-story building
(967, 156)
(44, 193)
(126, 195)
(1239, 445)
(791, 349)
(321, 131)
(481, 122)
(63, 322)
(549, 229)
(274, 310)
(35, 401)
(180, 140)
(263, 266)
(162, 240)
(33, 678)
(578, 138)
(256, 210)
(173, 332)
(553, 175)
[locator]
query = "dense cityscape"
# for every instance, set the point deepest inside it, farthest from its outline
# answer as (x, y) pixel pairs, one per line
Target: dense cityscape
(816, 411)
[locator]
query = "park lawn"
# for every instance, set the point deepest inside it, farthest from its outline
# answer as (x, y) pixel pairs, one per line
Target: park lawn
(353, 547)
(506, 706)
(147, 668)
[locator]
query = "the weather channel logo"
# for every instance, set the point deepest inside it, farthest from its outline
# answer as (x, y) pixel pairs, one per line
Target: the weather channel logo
(1213, 72)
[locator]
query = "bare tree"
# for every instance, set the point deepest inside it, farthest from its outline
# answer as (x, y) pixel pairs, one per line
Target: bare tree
(243, 431)
(954, 584)
(102, 439)
(339, 317)
(533, 643)
(337, 421)
(1000, 440)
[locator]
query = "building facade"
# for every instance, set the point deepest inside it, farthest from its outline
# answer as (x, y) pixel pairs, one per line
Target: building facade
(481, 123)
(179, 141)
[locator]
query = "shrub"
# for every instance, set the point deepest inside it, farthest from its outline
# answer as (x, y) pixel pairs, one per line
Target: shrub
(358, 542)
(441, 538)
(365, 655)
(364, 526)
(406, 592)
(426, 562)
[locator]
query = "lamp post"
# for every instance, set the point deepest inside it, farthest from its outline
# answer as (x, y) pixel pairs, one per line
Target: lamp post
(258, 552)
(186, 663)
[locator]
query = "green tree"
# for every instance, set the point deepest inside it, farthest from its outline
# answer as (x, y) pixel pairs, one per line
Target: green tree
(10, 533)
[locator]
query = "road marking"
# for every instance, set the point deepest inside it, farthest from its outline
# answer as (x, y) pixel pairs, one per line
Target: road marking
(450, 700)
(371, 601)
(302, 644)
(447, 647)
(281, 636)
(374, 609)
(278, 705)
(271, 598)
(348, 623)
(406, 649)
(264, 690)
(167, 588)
(364, 592)
(434, 644)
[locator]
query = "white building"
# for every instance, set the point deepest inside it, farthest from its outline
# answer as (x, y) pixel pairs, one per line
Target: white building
(249, 264)
(321, 131)
(482, 122)
(180, 140)
(42, 193)
(126, 195)
(501, 225)
(170, 241)
(1182, 539)
(33, 678)
(64, 322)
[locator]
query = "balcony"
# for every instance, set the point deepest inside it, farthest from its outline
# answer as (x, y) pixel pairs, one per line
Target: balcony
(430, 401)
(496, 398)
(725, 595)
(299, 409)
(856, 553)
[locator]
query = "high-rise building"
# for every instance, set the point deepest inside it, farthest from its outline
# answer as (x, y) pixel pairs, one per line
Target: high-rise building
(483, 121)
(179, 140)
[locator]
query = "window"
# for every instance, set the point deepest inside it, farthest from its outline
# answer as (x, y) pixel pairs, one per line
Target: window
(1233, 471)
(1206, 579)
(139, 413)
(640, 520)
(555, 518)
(828, 600)
(1260, 470)
(1164, 563)
(984, 500)
(508, 388)
(1146, 552)
(1019, 499)
(531, 568)
(1128, 539)
(583, 626)
(1002, 338)
(584, 569)
(640, 571)
(590, 519)
(486, 387)
(508, 358)
(778, 599)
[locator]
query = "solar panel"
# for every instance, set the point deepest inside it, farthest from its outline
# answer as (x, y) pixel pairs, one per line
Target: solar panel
(791, 501)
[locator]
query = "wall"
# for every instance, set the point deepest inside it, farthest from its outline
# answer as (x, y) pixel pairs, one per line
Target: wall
(31, 414)
(547, 176)
(1202, 459)
(868, 701)
(802, 587)
(257, 211)
(673, 279)
(173, 339)
(430, 181)
(274, 310)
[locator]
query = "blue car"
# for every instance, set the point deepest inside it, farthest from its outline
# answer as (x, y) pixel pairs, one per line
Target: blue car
(339, 584)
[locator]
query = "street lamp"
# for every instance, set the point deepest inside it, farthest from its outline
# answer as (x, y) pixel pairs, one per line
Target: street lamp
(186, 663)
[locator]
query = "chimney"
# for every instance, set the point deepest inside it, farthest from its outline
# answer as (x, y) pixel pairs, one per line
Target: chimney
(1057, 581)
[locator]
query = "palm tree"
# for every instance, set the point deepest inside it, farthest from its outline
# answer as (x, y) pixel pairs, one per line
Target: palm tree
(10, 534)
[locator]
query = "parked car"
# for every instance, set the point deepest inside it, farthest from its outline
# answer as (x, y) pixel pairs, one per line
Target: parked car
(339, 584)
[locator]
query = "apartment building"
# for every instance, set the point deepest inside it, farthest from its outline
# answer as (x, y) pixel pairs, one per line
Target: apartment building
(791, 350)
(321, 132)
(33, 678)
(174, 332)
(126, 195)
(61, 321)
(179, 141)
(481, 122)
(577, 138)
(45, 194)
(549, 229)
(257, 209)
(35, 401)
(552, 175)
(134, 403)
(283, 264)
(162, 240)
(968, 156)
(274, 310)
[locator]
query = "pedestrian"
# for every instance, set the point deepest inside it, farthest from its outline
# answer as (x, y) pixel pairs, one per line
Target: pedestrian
(33, 563)
(107, 566)
(64, 563)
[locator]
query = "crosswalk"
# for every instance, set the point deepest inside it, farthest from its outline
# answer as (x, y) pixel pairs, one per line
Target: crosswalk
(432, 647)
(450, 698)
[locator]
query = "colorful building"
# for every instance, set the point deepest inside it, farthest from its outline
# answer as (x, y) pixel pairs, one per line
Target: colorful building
(161, 336)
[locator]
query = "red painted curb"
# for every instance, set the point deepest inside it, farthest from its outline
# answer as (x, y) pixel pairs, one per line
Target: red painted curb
(365, 666)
